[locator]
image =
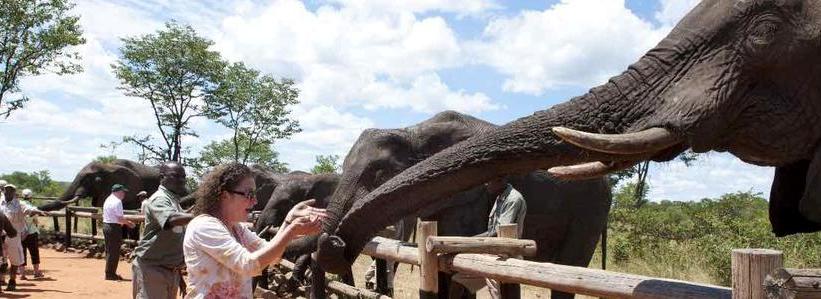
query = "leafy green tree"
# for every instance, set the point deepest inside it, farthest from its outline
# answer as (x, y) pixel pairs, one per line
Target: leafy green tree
(39, 182)
(175, 72)
(105, 159)
(221, 152)
(254, 107)
(326, 164)
(37, 37)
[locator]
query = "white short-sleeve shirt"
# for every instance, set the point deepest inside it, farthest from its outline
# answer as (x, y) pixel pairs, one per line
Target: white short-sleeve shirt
(112, 210)
(220, 265)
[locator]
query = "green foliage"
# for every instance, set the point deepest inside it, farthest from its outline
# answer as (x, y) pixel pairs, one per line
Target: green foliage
(679, 235)
(326, 164)
(261, 153)
(254, 107)
(175, 72)
(37, 38)
(39, 182)
(105, 159)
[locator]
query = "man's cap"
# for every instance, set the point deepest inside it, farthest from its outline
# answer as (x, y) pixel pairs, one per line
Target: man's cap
(142, 193)
(118, 187)
(27, 192)
(7, 186)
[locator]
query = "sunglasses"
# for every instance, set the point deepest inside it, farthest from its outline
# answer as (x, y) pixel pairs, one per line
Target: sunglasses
(249, 195)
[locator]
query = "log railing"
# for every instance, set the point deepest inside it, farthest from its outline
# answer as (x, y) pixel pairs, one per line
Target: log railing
(73, 213)
(592, 282)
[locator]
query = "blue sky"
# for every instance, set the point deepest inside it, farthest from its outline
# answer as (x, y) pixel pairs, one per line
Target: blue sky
(362, 64)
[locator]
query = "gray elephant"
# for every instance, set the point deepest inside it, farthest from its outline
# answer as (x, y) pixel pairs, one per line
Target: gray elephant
(96, 178)
(736, 76)
(565, 219)
(286, 190)
(290, 189)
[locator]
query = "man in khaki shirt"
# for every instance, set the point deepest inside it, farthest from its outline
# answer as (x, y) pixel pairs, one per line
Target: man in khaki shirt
(159, 255)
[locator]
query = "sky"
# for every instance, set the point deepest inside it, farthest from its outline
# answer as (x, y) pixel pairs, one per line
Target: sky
(363, 64)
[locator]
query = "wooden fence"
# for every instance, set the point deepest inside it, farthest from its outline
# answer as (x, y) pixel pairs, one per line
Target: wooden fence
(749, 269)
(74, 213)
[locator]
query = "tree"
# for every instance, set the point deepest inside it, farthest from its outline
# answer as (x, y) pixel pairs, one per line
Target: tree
(254, 106)
(326, 164)
(105, 159)
(261, 153)
(39, 182)
(175, 72)
(37, 36)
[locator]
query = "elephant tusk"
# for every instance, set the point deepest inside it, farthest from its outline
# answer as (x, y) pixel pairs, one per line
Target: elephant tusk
(589, 170)
(650, 140)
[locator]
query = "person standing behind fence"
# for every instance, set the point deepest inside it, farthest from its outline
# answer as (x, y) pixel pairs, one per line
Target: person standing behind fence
(113, 222)
(31, 241)
(142, 200)
(509, 207)
(13, 247)
(158, 257)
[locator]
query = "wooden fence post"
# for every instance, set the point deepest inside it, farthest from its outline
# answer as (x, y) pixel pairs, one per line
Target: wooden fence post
(428, 262)
(382, 277)
(56, 223)
(94, 225)
(509, 290)
(68, 227)
(750, 267)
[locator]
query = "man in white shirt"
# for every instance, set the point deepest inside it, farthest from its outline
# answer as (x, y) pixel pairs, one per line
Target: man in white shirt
(113, 221)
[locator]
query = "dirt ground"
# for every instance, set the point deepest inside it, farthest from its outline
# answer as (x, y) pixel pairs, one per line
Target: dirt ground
(71, 275)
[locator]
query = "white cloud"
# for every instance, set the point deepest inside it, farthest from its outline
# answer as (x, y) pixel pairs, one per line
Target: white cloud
(575, 42)
(326, 131)
(673, 10)
(711, 176)
(352, 56)
(461, 7)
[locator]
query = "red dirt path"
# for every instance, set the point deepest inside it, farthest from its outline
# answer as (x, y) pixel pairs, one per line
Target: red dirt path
(71, 275)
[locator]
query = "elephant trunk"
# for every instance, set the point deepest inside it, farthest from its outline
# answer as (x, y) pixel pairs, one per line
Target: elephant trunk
(622, 105)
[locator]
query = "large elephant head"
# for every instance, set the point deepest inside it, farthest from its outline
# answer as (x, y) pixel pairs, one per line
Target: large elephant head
(736, 76)
(96, 178)
(380, 154)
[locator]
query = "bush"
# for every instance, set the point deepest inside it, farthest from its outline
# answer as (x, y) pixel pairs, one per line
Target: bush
(676, 236)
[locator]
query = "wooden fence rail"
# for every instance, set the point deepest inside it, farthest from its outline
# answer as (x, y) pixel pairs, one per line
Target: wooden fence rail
(586, 281)
(92, 213)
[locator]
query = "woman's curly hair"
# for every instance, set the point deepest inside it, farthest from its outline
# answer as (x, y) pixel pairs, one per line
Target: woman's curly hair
(221, 178)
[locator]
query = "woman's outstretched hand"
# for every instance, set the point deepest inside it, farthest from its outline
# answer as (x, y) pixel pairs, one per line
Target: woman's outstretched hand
(305, 226)
(306, 209)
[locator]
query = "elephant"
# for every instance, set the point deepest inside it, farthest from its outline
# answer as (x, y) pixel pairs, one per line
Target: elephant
(286, 190)
(565, 219)
(732, 76)
(96, 178)
(290, 189)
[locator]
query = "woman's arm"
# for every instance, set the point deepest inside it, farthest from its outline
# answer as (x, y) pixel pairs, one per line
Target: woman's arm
(271, 252)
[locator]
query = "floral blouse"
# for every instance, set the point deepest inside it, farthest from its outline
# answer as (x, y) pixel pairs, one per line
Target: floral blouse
(220, 265)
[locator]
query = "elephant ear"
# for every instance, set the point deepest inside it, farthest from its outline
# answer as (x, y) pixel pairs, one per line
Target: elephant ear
(795, 197)
(132, 181)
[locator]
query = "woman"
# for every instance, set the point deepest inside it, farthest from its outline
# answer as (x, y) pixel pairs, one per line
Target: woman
(30, 243)
(16, 212)
(221, 254)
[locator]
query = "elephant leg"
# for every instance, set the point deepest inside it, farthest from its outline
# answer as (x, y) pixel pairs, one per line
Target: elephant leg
(301, 266)
(578, 247)
(317, 282)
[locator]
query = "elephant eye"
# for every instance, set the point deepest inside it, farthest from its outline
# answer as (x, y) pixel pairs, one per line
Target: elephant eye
(763, 33)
